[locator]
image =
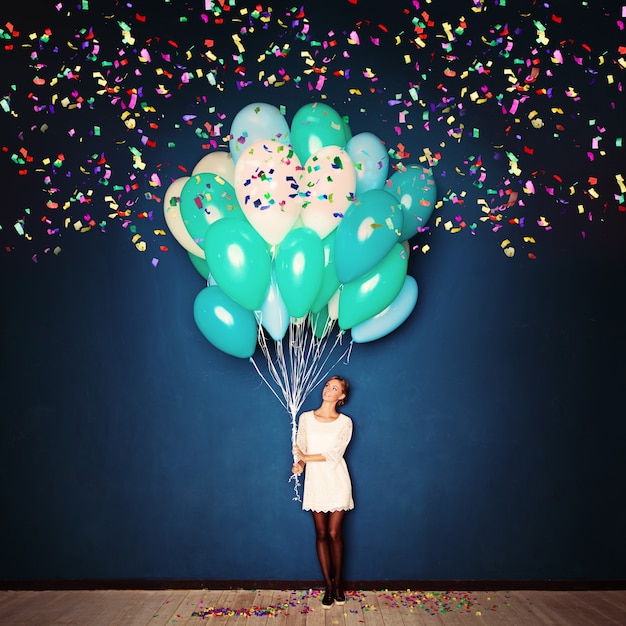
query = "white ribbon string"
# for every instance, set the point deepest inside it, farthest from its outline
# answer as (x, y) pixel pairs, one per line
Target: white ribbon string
(294, 371)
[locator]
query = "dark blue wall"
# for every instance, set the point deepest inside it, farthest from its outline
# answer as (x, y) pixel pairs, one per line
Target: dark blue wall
(489, 429)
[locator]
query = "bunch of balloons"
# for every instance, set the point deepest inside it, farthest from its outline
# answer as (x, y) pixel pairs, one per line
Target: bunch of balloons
(299, 224)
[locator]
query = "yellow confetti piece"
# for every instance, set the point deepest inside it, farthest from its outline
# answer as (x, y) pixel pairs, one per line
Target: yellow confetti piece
(237, 40)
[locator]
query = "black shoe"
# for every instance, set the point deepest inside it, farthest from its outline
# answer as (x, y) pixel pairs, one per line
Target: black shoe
(340, 596)
(327, 600)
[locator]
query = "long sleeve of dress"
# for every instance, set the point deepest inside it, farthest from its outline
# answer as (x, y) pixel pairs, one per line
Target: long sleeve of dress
(335, 453)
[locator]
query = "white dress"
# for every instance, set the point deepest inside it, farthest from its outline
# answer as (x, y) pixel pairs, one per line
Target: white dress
(327, 485)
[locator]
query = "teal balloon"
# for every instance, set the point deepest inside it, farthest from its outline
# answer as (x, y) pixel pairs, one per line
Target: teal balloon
(390, 317)
(367, 296)
(368, 231)
(371, 161)
(224, 323)
(299, 268)
(273, 314)
(204, 199)
(416, 190)
(330, 282)
(200, 264)
(239, 261)
(316, 125)
(320, 323)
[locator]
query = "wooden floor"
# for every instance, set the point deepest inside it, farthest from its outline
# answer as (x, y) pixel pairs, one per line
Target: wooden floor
(303, 608)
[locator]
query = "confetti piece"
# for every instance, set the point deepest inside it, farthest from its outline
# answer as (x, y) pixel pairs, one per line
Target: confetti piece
(153, 93)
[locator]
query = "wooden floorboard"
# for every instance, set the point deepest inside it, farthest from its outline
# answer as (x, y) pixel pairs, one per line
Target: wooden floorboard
(303, 608)
(612, 605)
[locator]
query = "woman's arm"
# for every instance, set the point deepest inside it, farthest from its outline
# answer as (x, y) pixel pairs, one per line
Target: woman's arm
(308, 458)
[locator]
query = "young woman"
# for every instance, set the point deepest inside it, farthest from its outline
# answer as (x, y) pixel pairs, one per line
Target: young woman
(322, 438)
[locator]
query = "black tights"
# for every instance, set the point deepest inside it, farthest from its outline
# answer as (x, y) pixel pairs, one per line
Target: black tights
(329, 545)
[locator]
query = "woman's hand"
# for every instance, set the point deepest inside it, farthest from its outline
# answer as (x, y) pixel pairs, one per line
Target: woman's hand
(298, 466)
(298, 453)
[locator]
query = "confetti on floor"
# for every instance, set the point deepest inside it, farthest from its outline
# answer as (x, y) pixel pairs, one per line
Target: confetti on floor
(433, 602)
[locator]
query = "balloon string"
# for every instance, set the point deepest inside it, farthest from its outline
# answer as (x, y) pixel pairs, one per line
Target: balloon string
(295, 372)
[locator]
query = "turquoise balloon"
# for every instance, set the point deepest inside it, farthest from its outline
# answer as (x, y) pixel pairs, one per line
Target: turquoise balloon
(204, 199)
(316, 125)
(369, 295)
(330, 282)
(389, 318)
(368, 231)
(202, 267)
(224, 323)
(299, 269)
(273, 314)
(238, 261)
(416, 190)
(371, 161)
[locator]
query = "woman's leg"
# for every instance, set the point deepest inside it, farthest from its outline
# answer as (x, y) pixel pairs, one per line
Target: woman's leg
(335, 520)
(322, 545)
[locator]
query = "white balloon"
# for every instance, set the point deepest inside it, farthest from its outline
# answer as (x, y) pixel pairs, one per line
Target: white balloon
(266, 184)
(333, 305)
(174, 219)
(327, 187)
(220, 163)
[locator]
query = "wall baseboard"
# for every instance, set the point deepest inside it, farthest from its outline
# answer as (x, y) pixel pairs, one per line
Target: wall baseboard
(365, 585)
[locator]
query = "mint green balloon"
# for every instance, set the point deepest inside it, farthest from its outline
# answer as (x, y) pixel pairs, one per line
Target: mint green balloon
(316, 125)
(204, 199)
(202, 267)
(320, 322)
(330, 282)
(239, 261)
(415, 188)
(368, 295)
(299, 266)
(225, 323)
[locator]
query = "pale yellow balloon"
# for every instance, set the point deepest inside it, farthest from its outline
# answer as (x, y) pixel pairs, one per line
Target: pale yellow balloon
(220, 163)
(333, 306)
(174, 219)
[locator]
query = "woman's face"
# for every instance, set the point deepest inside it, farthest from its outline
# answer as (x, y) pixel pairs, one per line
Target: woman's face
(333, 391)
